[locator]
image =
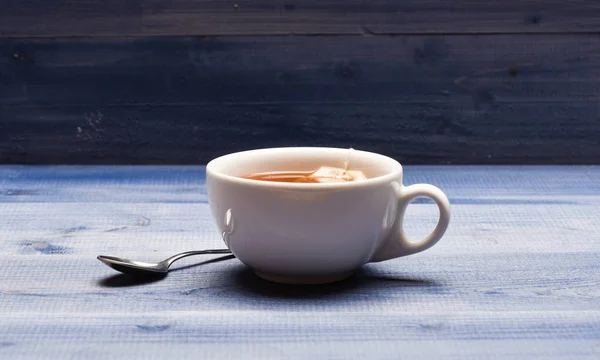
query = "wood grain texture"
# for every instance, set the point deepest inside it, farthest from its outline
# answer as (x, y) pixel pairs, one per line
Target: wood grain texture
(428, 100)
(515, 277)
(286, 17)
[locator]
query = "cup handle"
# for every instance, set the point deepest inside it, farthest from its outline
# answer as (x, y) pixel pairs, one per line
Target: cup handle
(398, 244)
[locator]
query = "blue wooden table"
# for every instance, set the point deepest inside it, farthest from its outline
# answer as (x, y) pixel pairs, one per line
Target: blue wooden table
(517, 275)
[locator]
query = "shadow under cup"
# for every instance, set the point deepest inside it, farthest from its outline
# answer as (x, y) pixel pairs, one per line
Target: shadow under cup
(307, 233)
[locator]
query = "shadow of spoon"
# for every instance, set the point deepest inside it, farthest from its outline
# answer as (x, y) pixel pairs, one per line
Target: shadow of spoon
(143, 278)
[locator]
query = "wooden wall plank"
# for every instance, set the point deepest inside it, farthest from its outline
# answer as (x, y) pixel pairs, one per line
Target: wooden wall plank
(429, 100)
(268, 17)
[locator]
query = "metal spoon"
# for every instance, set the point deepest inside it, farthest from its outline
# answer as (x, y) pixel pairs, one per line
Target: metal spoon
(142, 268)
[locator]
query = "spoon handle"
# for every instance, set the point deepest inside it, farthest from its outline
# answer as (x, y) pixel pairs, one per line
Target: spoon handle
(174, 258)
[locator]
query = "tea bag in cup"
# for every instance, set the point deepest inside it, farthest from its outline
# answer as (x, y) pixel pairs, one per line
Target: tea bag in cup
(332, 174)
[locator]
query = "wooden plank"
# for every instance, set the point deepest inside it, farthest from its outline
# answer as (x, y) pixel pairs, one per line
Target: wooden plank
(115, 228)
(429, 100)
(284, 17)
(465, 185)
(529, 283)
(514, 278)
(425, 348)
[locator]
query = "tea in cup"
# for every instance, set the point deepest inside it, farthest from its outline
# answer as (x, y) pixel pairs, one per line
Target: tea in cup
(312, 215)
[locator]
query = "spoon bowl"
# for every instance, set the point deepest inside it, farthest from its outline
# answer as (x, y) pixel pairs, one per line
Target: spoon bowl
(157, 269)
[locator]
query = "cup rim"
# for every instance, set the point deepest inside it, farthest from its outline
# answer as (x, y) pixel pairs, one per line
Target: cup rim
(394, 175)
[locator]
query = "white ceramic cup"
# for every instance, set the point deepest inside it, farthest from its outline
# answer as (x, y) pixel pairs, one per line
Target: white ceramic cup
(314, 233)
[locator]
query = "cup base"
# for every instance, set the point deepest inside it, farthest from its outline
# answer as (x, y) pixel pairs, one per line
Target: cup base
(304, 280)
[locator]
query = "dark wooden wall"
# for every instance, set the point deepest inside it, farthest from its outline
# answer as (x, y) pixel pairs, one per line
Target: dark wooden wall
(182, 81)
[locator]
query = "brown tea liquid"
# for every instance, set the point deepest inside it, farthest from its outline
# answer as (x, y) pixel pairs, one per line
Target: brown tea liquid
(322, 175)
(284, 176)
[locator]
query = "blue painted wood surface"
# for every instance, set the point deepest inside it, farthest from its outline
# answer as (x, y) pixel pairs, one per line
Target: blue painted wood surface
(497, 99)
(180, 82)
(293, 17)
(515, 277)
